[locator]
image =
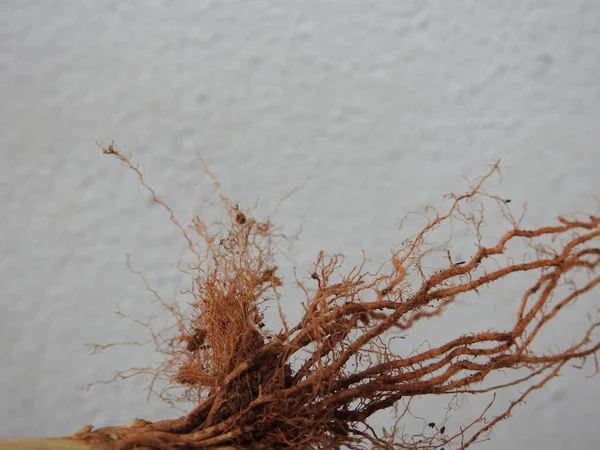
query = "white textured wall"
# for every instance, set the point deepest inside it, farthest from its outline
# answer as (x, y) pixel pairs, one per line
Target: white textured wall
(375, 107)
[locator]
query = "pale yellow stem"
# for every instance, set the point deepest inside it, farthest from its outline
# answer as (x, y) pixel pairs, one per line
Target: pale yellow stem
(48, 444)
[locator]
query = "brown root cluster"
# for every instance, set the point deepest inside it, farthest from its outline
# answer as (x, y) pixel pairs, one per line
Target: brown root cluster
(314, 384)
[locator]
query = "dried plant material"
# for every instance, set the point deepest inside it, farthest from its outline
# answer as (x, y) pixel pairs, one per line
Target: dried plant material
(315, 383)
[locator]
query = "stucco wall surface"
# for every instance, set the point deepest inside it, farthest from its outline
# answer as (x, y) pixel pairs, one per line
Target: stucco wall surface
(360, 111)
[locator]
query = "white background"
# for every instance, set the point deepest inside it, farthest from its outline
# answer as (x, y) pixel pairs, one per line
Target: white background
(368, 109)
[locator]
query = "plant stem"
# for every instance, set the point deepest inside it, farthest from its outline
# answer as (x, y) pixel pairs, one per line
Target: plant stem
(49, 444)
